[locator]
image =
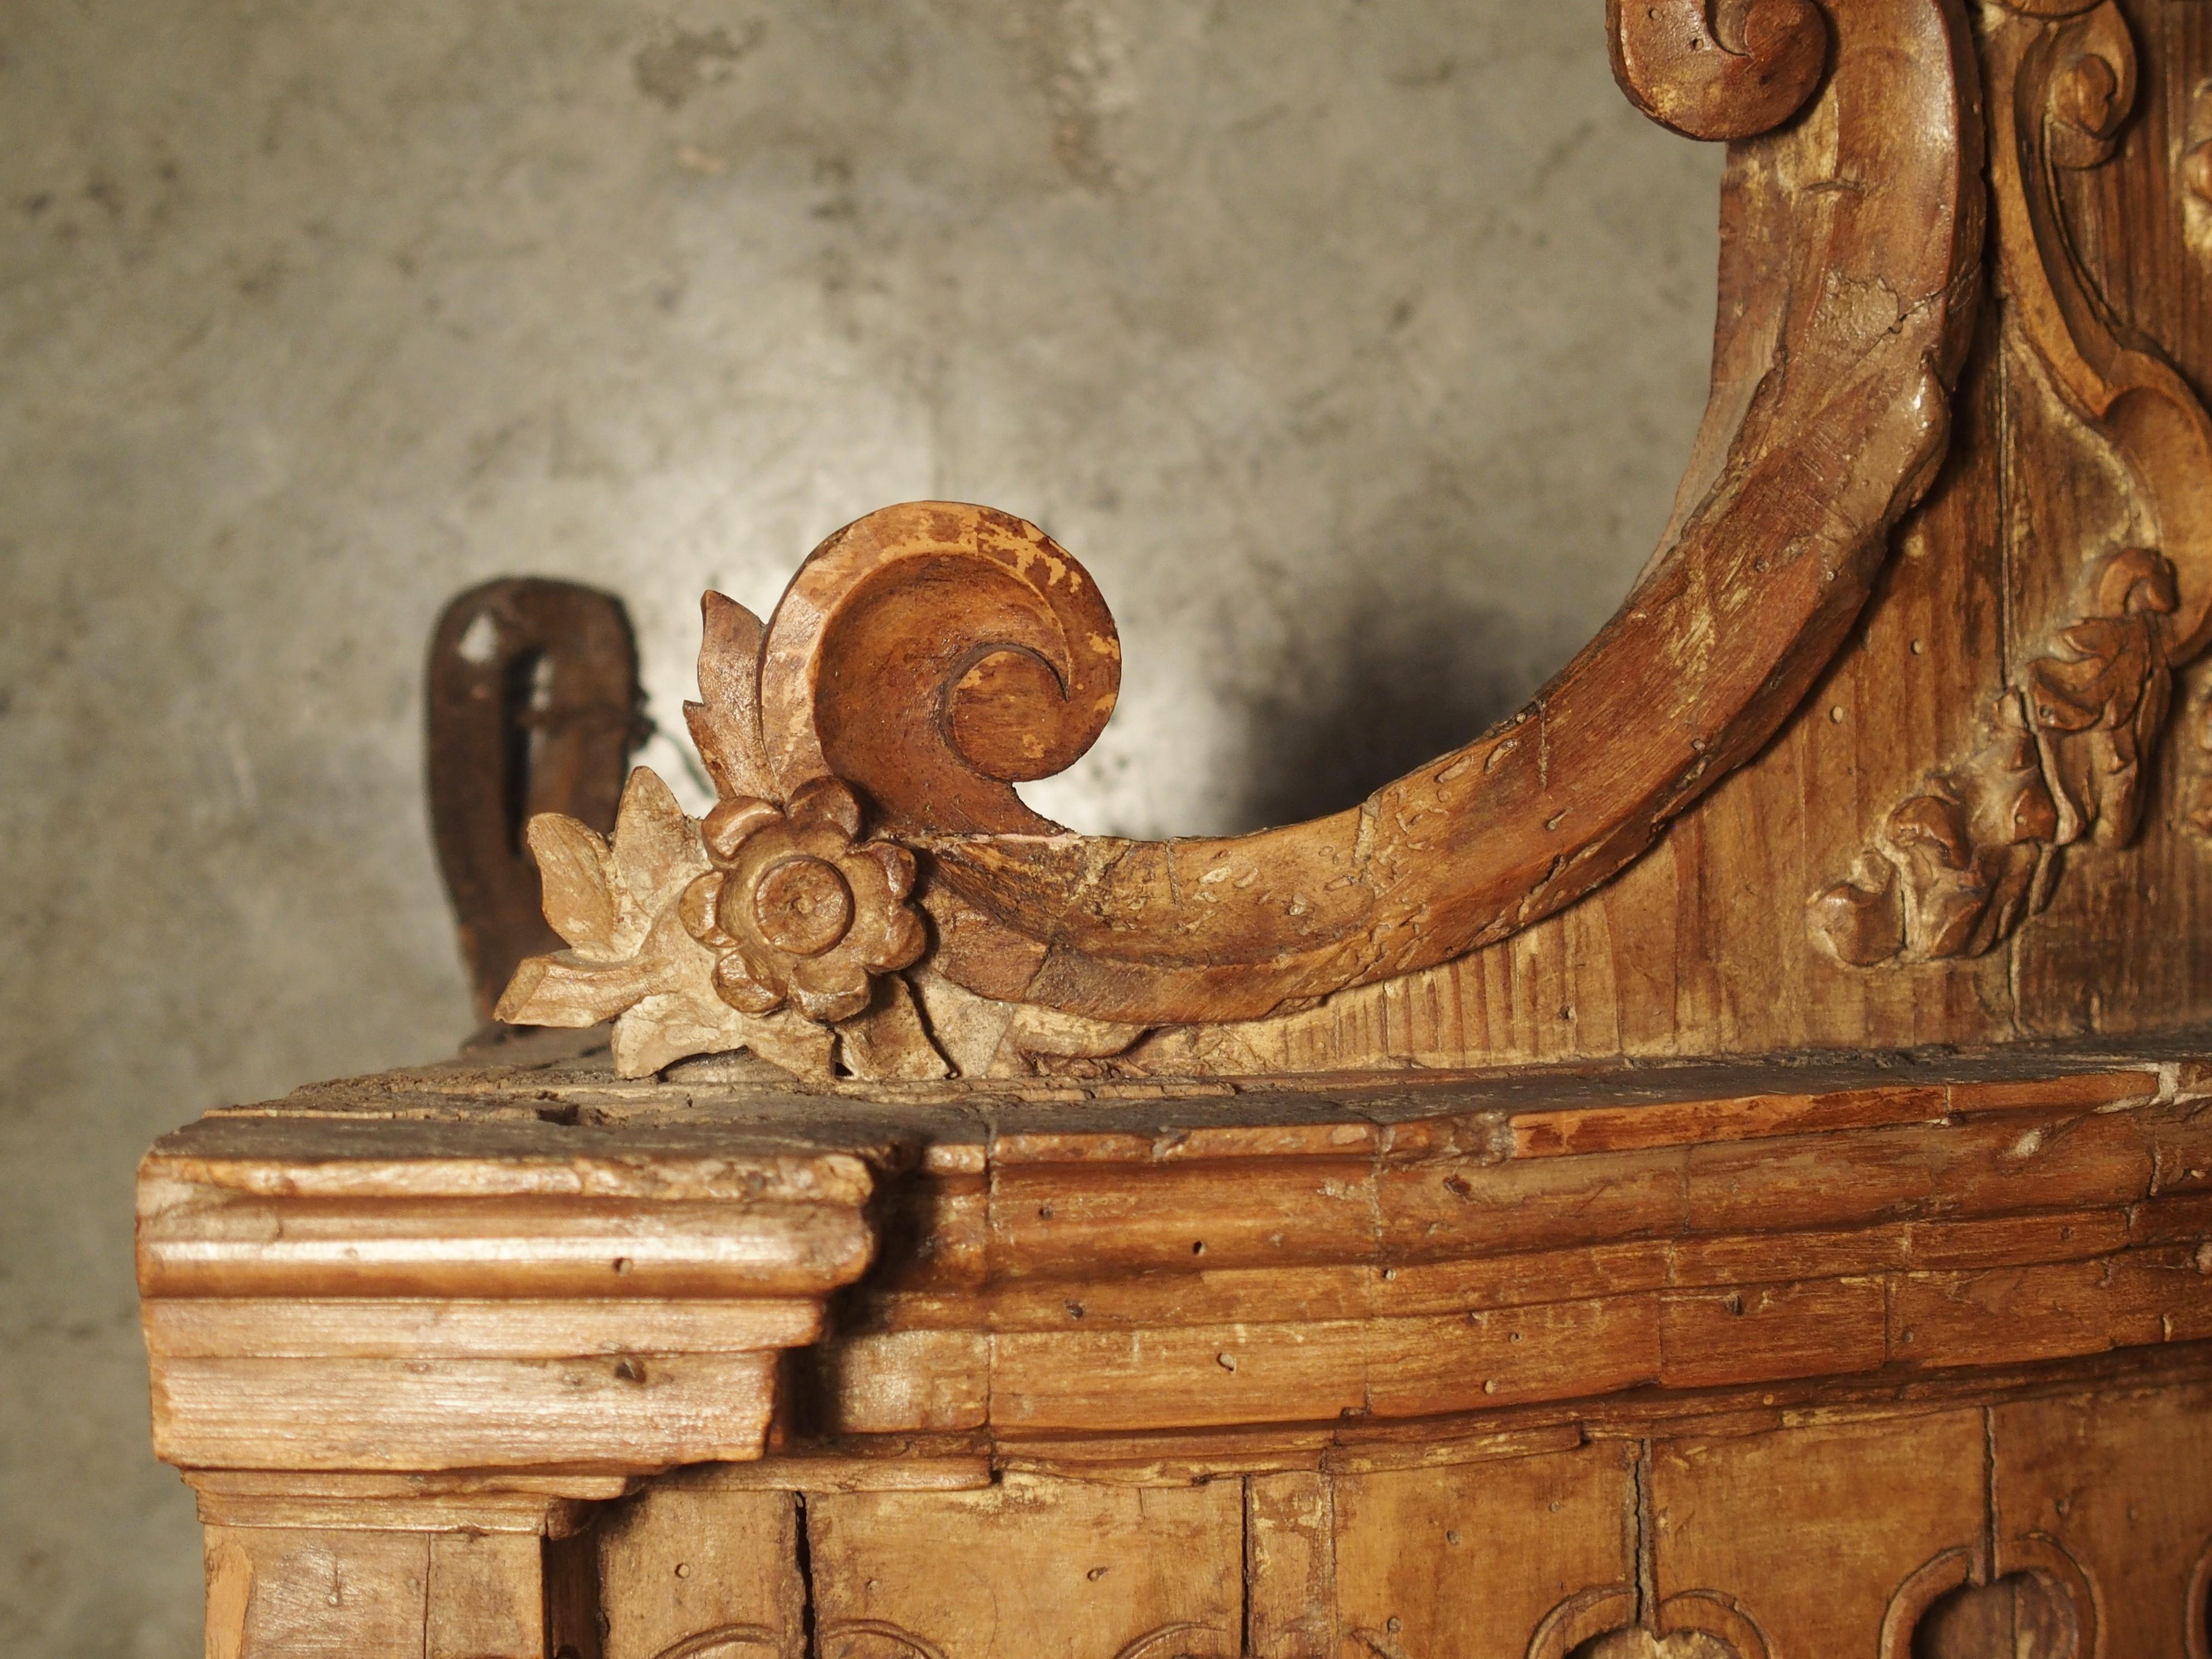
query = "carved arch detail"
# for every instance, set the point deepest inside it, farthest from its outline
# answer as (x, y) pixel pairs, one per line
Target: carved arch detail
(875, 1638)
(2196, 1613)
(724, 1642)
(2032, 1554)
(1606, 1609)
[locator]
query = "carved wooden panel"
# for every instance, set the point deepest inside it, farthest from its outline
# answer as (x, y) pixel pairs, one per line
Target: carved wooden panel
(1466, 1563)
(686, 1570)
(1812, 1529)
(1514, 1354)
(2121, 1488)
(1030, 1569)
(315, 1595)
(1925, 1533)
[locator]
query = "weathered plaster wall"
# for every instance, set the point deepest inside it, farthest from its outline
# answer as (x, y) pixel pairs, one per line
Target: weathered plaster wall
(1353, 343)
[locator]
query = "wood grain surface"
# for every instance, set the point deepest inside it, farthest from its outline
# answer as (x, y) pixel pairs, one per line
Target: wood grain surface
(1720, 1168)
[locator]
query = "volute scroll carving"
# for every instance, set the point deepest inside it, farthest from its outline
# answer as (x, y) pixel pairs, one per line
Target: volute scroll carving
(929, 656)
(1731, 70)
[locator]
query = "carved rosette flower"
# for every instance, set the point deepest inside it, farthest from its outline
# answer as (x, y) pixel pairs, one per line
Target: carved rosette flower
(798, 908)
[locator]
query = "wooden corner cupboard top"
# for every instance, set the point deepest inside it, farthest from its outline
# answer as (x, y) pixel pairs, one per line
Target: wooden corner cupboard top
(547, 1114)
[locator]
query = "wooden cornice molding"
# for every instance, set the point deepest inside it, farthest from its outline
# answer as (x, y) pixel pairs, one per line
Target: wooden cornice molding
(398, 1276)
(431, 1347)
(361, 1292)
(1407, 1257)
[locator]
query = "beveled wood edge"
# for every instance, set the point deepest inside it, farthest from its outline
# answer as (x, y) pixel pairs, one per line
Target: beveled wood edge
(324, 1298)
(284, 1351)
(945, 1124)
(546, 1505)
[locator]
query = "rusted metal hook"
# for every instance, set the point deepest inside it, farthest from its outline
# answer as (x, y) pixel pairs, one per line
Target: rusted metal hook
(532, 707)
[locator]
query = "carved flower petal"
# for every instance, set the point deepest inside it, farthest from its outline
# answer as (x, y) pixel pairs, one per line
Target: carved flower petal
(696, 910)
(887, 862)
(829, 803)
(829, 988)
(736, 985)
(727, 828)
(900, 944)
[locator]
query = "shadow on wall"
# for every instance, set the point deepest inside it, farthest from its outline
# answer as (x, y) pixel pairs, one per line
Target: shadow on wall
(1399, 678)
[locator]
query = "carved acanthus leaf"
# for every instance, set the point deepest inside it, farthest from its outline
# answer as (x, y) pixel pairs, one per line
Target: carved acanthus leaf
(2099, 710)
(725, 722)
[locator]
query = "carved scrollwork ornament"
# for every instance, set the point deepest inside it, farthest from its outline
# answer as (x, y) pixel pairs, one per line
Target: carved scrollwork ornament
(1957, 866)
(929, 656)
(1728, 70)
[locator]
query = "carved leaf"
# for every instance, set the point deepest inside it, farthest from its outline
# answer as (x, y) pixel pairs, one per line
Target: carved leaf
(725, 722)
(1861, 920)
(889, 1043)
(683, 1015)
(656, 854)
(603, 899)
(632, 960)
(988, 1038)
(577, 874)
(1956, 866)
(2101, 708)
(2103, 681)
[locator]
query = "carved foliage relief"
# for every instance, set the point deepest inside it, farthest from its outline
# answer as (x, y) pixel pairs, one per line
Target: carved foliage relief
(2066, 756)
(1957, 866)
(780, 923)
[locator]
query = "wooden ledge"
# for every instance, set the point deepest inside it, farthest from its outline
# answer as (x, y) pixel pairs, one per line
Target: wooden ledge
(323, 1293)
(536, 1266)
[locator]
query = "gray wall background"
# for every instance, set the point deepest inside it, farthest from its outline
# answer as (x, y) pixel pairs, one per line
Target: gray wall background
(1353, 344)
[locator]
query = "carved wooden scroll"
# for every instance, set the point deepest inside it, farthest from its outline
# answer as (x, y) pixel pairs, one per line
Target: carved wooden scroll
(929, 656)
(1728, 71)
(1828, 417)
(1956, 866)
